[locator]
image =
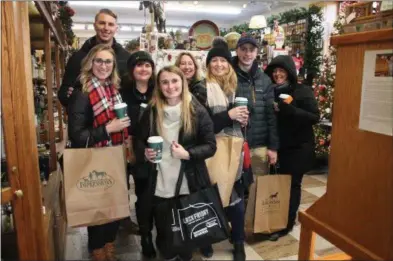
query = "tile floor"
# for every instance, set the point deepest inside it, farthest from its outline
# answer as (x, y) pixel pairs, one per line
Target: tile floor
(286, 248)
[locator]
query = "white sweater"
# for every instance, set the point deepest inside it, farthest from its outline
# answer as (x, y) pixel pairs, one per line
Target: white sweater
(169, 168)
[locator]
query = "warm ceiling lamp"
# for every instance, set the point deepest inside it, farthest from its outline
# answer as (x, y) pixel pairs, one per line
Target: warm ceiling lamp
(257, 22)
(195, 2)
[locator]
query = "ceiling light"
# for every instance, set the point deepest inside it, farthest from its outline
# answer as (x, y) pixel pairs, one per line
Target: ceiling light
(78, 27)
(170, 6)
(126, 28)
(184, 30)
(137, 29)
(244, 5)
(202, 9)
(120, 4)
(90, 27)
(257, 22)
(195, 2)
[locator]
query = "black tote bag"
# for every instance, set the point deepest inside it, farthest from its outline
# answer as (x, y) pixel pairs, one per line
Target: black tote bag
(191, 221)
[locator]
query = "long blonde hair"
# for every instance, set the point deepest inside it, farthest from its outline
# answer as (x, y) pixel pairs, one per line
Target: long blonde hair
(87, 66)
(159, 101)
(228, 82)
(197, 76)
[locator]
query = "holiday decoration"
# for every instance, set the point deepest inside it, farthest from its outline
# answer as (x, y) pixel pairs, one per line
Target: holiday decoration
(324, 89)
(65, 14)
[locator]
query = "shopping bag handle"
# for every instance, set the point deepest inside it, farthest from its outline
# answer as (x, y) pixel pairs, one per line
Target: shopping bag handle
(180, 179)
(274, 167)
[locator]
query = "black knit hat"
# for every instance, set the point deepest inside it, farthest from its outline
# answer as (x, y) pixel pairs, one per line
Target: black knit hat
(139, 56)
(219, 51)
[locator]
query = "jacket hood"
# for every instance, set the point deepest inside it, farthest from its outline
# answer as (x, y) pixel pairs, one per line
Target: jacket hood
(92, 41)
(285, 62)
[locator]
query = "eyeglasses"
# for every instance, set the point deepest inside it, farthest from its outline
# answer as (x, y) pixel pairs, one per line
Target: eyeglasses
(99, 61)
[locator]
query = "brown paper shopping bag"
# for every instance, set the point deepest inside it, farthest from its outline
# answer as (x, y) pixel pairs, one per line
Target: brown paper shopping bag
(272, 203)
(223, 166)
(95, 185)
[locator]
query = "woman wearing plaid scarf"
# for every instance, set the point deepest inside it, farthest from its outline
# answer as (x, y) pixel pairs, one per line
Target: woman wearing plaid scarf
(92, 122)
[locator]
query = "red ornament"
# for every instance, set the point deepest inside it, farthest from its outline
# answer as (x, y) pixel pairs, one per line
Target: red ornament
(169, 57)
(321, 142)
(322, 99)
(322, 87)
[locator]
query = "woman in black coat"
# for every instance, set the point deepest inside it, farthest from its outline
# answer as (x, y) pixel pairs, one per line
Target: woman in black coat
(136, 90)
(92, 122)
(189, 140)
(297, 111)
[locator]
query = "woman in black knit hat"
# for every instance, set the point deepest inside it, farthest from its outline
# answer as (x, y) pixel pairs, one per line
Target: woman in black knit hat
(217, 96)
(136, 90)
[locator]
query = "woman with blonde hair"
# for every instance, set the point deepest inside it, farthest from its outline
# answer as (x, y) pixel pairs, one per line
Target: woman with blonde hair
(218, 97)
(188, 139)
(189, 66)
(92, 122)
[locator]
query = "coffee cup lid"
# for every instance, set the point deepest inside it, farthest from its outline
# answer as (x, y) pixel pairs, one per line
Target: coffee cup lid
(155, 139)
(241, 99)
(120, 105)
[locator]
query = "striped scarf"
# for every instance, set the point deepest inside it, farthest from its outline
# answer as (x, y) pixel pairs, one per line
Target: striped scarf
(103, 99)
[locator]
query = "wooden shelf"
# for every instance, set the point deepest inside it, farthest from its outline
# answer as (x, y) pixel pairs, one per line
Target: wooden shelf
(6, 195)
(54, 26)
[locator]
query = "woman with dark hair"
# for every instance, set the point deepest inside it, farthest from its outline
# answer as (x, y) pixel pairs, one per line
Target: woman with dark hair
(297, 111)
(136, 90)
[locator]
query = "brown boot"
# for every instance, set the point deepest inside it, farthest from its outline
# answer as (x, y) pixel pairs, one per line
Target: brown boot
(110, 251)
(98, 254)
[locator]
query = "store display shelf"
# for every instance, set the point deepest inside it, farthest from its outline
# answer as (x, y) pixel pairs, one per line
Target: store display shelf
(6, 195)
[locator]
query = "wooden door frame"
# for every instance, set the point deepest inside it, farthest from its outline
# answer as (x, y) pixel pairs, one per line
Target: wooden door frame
(19, 130)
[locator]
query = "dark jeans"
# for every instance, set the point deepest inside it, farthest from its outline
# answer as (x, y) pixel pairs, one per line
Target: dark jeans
(167, 255)
(235, 215)
(141, 186)
(99, 235)
(294, 202)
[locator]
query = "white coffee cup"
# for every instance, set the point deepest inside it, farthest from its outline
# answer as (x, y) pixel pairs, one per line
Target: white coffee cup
(156, 143)
(283, 96)
(241, 101)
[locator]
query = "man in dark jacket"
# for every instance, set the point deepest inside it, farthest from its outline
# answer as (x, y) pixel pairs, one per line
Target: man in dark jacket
(105, 26)
(255, 85)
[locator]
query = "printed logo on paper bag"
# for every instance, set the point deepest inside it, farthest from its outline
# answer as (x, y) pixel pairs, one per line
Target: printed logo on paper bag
(95, 180)
(196, 219)
(271, 203)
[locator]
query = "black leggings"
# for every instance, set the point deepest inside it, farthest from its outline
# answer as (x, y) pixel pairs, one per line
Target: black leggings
(145, 223)
(99, 235)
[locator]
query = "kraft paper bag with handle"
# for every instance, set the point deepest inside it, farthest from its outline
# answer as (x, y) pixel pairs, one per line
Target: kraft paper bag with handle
(271, 203)
(95, 185)
(223, 166)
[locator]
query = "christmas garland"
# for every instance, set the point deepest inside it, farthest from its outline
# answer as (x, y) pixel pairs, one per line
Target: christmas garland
(65, 14)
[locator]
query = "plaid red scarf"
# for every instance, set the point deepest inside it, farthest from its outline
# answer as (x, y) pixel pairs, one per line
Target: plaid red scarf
(103, 99)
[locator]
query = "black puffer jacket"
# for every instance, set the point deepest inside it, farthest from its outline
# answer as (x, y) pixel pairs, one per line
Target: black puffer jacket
(73, 68)
(80, 122)
(256, 87)
(201, 145)
(295, 120)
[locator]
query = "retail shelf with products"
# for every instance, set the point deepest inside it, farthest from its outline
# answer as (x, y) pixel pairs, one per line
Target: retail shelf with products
(33, 50)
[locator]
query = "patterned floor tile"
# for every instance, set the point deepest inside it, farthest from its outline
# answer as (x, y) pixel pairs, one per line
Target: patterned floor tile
(323, 178)
(328, 251)
(318, 191)
(320, 243)
(311, 182)
(284, 247)
(307, 198)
